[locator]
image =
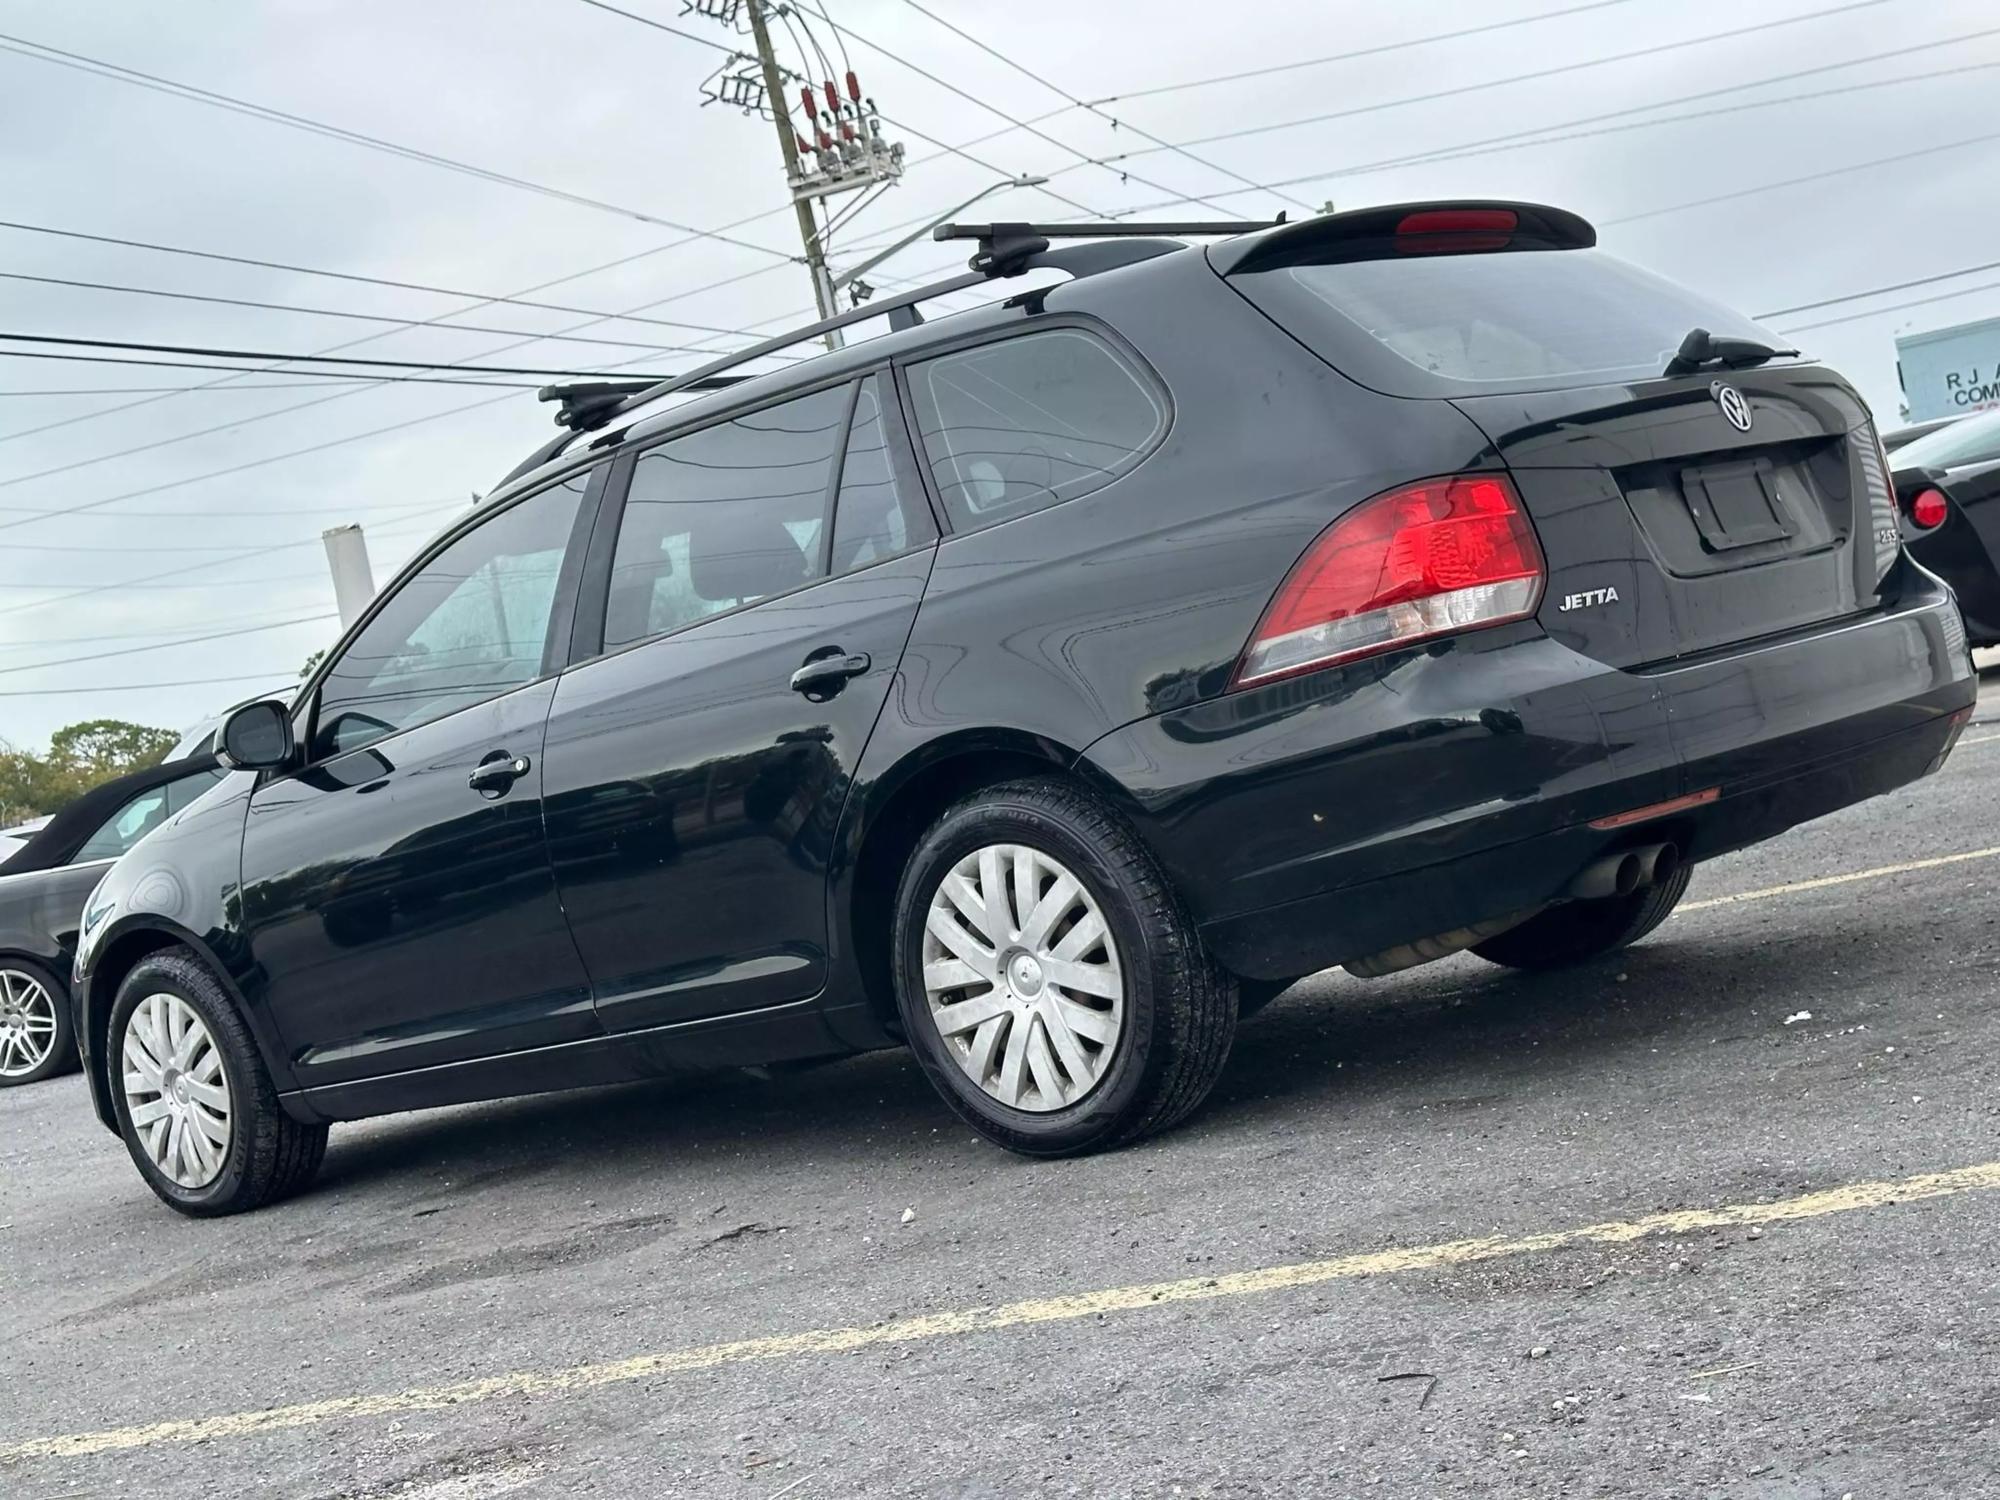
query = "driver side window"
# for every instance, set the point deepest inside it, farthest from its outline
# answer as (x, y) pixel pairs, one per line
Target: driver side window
(471, 624)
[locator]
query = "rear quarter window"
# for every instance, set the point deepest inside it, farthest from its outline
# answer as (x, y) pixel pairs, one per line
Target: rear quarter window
(1462, 325)
(1014, 426)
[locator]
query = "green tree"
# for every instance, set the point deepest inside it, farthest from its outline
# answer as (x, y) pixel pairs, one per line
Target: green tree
(80, 756)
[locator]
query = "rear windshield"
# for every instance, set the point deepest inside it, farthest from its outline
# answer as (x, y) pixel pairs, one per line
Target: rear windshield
(1451, 325)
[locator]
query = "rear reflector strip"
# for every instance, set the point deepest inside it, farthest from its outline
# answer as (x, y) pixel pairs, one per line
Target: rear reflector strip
(1657, 809)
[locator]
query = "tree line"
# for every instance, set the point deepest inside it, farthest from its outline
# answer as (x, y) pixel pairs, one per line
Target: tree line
(80, 756)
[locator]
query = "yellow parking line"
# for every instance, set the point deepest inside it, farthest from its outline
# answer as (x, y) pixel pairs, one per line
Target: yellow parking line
(530, 1384)
(1878, 873)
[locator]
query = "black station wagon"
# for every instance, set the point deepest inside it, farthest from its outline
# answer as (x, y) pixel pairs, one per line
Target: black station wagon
(1042, 688)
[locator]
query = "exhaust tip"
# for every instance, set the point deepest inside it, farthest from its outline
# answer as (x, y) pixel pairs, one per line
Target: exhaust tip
(1631, 870)
(1666, 861)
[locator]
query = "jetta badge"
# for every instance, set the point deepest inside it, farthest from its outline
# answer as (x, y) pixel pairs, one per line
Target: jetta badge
(1588, 599)
(1735, 405)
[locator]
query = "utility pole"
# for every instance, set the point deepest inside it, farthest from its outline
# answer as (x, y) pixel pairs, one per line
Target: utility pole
(774, 88)
(837, 150)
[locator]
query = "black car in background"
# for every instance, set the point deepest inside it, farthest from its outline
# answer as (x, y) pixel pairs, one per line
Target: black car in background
(1040, 687)
(1948, 487)
(43, 885)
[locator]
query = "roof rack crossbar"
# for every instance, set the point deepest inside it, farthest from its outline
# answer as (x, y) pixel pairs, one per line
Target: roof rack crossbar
(1108, 229)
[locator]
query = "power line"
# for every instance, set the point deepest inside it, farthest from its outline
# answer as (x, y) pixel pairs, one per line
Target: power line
(299, 359)
(1472, 85)
(335, 312)
(193, 640)
(147, 635)
(1064, 93)
(41, 52)
(421, 507)
(1876, 312)
(1771, 187)
(1376, 51)
(1877, 291)
(945, 147)
(151, 580)
(1034, 130)
(382, 281)
(317, 381)
(1519, 140)
(278, 679)
(609, 265)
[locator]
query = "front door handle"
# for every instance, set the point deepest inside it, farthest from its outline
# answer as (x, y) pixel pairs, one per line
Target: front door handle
(823, 676)
(497, 773)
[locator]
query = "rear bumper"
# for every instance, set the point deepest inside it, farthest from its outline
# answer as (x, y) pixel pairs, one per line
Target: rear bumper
(1318, 820)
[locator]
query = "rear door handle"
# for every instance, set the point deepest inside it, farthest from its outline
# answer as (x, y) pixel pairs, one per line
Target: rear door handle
(824, 676)
(498, 772)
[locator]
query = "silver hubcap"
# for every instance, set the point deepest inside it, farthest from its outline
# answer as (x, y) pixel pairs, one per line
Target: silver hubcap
(27, 1023)
(176, 1091)
(1022, 979)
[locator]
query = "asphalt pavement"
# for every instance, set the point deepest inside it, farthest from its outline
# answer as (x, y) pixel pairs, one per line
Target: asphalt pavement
(1720, 1216)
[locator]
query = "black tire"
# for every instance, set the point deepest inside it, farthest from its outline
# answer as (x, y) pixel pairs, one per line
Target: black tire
(1180, 1006)
(61, 1056)
(1581, 930)
(270, 1155)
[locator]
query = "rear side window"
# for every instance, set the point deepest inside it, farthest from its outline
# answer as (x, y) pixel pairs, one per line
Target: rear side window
(1450, 325)
(1011, 427)
(724, 516)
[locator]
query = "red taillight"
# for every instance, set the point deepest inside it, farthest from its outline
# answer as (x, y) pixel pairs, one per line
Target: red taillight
(1929, 509)
(1455, 231)
(1431, 559)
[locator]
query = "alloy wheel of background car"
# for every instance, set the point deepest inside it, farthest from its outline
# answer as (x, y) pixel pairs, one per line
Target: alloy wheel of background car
(176, 1093)
(30, 1026)
(1022, 977)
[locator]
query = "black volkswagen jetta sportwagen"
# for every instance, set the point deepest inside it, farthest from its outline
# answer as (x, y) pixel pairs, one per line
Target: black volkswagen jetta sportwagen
(1041, 688)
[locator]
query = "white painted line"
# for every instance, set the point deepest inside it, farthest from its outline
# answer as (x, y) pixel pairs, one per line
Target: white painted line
(1880, 872)
(541, 1384)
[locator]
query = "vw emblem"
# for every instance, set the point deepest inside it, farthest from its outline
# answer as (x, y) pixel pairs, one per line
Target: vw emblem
(1735, 405)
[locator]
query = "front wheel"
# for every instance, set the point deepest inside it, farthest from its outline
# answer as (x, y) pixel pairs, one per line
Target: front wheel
(1050, 983)
(1581, 930)
(193, 1099)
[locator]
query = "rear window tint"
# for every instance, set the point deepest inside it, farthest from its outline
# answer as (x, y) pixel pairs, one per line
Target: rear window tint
(1442, 325)
(1010, 427)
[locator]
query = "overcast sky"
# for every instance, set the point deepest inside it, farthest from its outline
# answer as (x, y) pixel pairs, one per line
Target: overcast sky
(569, 97)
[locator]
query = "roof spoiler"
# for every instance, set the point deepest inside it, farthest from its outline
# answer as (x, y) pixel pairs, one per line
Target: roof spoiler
(1396, 230)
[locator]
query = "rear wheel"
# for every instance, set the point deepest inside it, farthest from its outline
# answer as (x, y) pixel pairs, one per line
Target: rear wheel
(194, 1101)
(1581, 930)
(35, 1037)
(1052, 987)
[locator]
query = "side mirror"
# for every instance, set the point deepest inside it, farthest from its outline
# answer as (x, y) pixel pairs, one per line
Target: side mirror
(256, 737)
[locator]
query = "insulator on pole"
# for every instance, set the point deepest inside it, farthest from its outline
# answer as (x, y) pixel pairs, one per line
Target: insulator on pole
(853, 86)
(812, 105)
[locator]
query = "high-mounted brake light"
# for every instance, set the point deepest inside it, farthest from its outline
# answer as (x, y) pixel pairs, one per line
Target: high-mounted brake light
(1428, 560)
(1928, 508)
(1455, 231)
